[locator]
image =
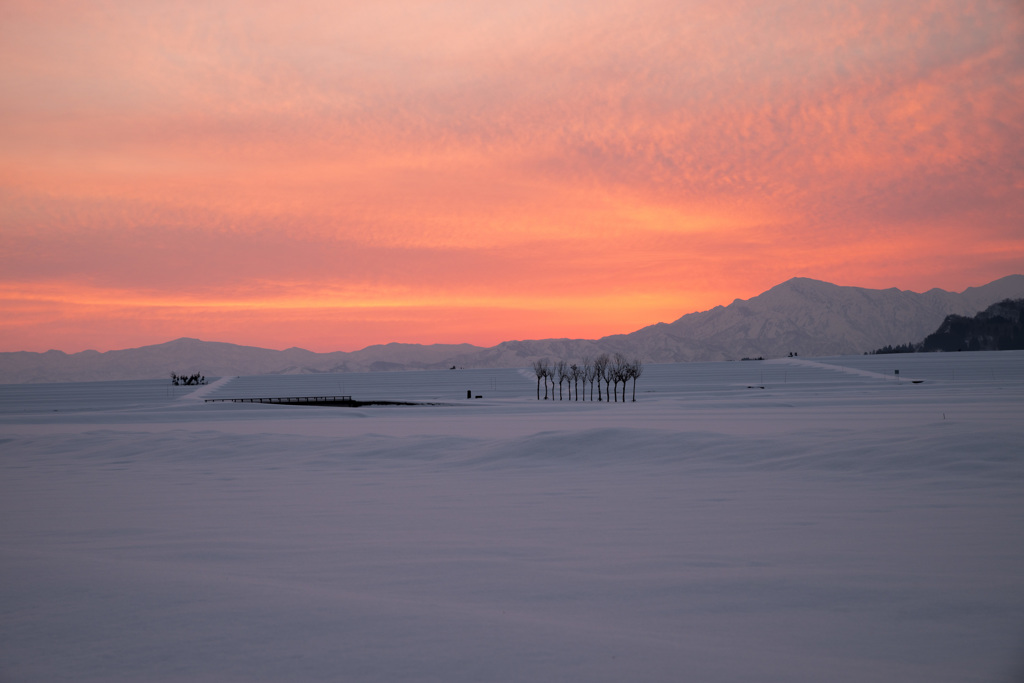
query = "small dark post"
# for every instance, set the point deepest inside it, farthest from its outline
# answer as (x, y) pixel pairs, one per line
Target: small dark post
(469, 393)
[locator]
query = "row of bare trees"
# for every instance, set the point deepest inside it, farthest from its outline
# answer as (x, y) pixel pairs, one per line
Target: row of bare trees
(612, 370)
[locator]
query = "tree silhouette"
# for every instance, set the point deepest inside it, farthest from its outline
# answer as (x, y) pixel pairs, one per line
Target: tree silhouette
(620, 373)
(613, 370)
(586, 367)
(187, 380)
(561, 370)
(636, 369)
(541, 370)
(600, 364)
(608, 373)
(546, 367)
(575, 372)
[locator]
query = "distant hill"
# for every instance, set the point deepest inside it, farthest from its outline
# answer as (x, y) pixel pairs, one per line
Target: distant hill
(215, 359)
(808, 317)
(1000, 327)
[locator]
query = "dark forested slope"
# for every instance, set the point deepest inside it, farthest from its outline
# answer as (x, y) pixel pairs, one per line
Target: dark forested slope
(1000, 327)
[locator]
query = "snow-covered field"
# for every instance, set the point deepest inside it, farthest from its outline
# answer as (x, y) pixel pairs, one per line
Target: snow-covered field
(839, 524)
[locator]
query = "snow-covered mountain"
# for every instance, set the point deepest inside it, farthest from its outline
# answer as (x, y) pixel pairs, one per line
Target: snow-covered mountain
(808, 317)
(811, 318)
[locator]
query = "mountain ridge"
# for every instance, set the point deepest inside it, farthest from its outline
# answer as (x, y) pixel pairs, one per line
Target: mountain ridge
(801, 315)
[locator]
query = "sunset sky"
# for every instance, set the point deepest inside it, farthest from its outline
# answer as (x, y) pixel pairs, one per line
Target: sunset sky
(337, 174)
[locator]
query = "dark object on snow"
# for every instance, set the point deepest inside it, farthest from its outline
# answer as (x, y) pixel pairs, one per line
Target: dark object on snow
(337, 401)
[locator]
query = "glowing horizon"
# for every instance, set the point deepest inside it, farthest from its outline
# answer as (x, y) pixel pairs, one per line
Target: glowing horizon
(335, 175)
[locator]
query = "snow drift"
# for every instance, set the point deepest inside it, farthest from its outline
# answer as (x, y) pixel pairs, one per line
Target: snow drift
(792, 520)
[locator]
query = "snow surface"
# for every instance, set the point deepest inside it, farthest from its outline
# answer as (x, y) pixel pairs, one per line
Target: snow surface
(840, 523)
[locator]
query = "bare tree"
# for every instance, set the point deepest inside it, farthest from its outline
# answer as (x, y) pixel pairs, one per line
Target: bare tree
(625, 373)
(620, 373)
(600, 365)
(608, 372)
(575, 372)
(585, 368)
(561, 370)
(620, 376)
(541, 371)
(636, 369)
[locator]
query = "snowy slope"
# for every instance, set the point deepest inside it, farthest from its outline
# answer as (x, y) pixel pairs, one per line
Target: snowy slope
(791, 520)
